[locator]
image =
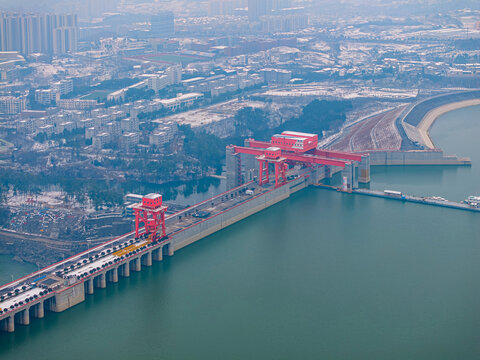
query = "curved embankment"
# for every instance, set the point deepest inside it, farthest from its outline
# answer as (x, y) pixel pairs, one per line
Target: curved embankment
(428, 120)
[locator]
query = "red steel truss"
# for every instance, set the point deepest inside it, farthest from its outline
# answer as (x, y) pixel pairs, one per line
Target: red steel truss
(152, 214)
(263, 151)
(295, 157)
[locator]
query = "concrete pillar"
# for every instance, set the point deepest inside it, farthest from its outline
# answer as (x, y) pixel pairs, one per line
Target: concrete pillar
(148, 259)
(137, 264)
(126, 269)
(158, 255)
(39, 310)
(364, 170)
(11, 323)
(25, 318)
(115, 274)
(233, 168)
(171, 251)
(90, 288)
(328, 172)
(350, 177)
(102, 283)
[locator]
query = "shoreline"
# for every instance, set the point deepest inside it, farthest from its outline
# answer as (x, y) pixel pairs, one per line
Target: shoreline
(430, 118)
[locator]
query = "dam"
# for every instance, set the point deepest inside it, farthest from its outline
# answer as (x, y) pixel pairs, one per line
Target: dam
(251, 189)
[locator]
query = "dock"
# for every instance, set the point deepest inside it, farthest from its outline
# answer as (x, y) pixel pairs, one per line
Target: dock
(418, 200)
(405, 198)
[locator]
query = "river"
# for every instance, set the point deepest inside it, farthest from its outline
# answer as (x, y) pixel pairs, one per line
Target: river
(320, 275)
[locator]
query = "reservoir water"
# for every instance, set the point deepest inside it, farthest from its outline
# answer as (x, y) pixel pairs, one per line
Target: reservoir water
(10, 269)
(320, 275)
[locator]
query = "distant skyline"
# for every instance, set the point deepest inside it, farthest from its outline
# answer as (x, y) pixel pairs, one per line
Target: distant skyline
(54, 5)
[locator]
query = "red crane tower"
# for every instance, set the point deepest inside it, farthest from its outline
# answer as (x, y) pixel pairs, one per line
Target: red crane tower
(151, 213)
(291, 147)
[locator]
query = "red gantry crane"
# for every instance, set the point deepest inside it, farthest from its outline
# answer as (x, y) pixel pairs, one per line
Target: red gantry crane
(292, 147)
(151, 213)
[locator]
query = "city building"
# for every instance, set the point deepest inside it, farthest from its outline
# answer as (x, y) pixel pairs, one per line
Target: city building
(174, 74)
(85, 123)
(63, 86)
(113, 128)
(225, 7)
(38, 33)
(162, 25)
(46, 96)
(90, 132)
(159, 82)
(162, 135)
(76, 104)
(46, 129)
(181, 101)
(100, 140)
(64, 40)
(129, 124)
(284, 23)
(65, 126)
(158, 139)
(129, 141)
(276, 76)
(12, 105)
(258, 8)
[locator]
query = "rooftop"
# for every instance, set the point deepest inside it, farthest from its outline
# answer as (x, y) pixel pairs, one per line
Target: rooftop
(152, 196)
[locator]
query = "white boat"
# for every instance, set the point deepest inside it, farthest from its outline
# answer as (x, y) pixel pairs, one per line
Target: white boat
(472, 201)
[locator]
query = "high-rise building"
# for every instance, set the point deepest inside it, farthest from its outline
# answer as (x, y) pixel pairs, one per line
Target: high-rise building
(64, 40)
(37, 33)
(258, 8)
(162, 25)
(174, 74)
(96, 8)
(284, 23)
(225, 7)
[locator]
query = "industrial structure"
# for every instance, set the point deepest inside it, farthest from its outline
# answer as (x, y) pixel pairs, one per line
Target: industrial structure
(259, 175)
(288, 149)
(151, 213)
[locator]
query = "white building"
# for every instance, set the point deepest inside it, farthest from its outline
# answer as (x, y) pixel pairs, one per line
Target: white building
(113, 128)
(181, 101)
(46, 129)
(85, 123)
(159, 82)
(76, 104)
(129, 124)
(100, 140)
(66, 126)
(174, 74)
(46, 96)
(11, 104)
(63, 86)
(90, 132)
(129, 141)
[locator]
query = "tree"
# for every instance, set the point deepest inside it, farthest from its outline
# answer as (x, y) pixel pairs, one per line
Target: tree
(4, 216)
(319, 116)
(251, 122)
(207, 148)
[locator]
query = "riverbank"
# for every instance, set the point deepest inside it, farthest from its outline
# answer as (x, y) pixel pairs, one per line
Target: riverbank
(429, 119)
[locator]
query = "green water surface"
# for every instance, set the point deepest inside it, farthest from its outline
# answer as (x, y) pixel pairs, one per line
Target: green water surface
(322, 275)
